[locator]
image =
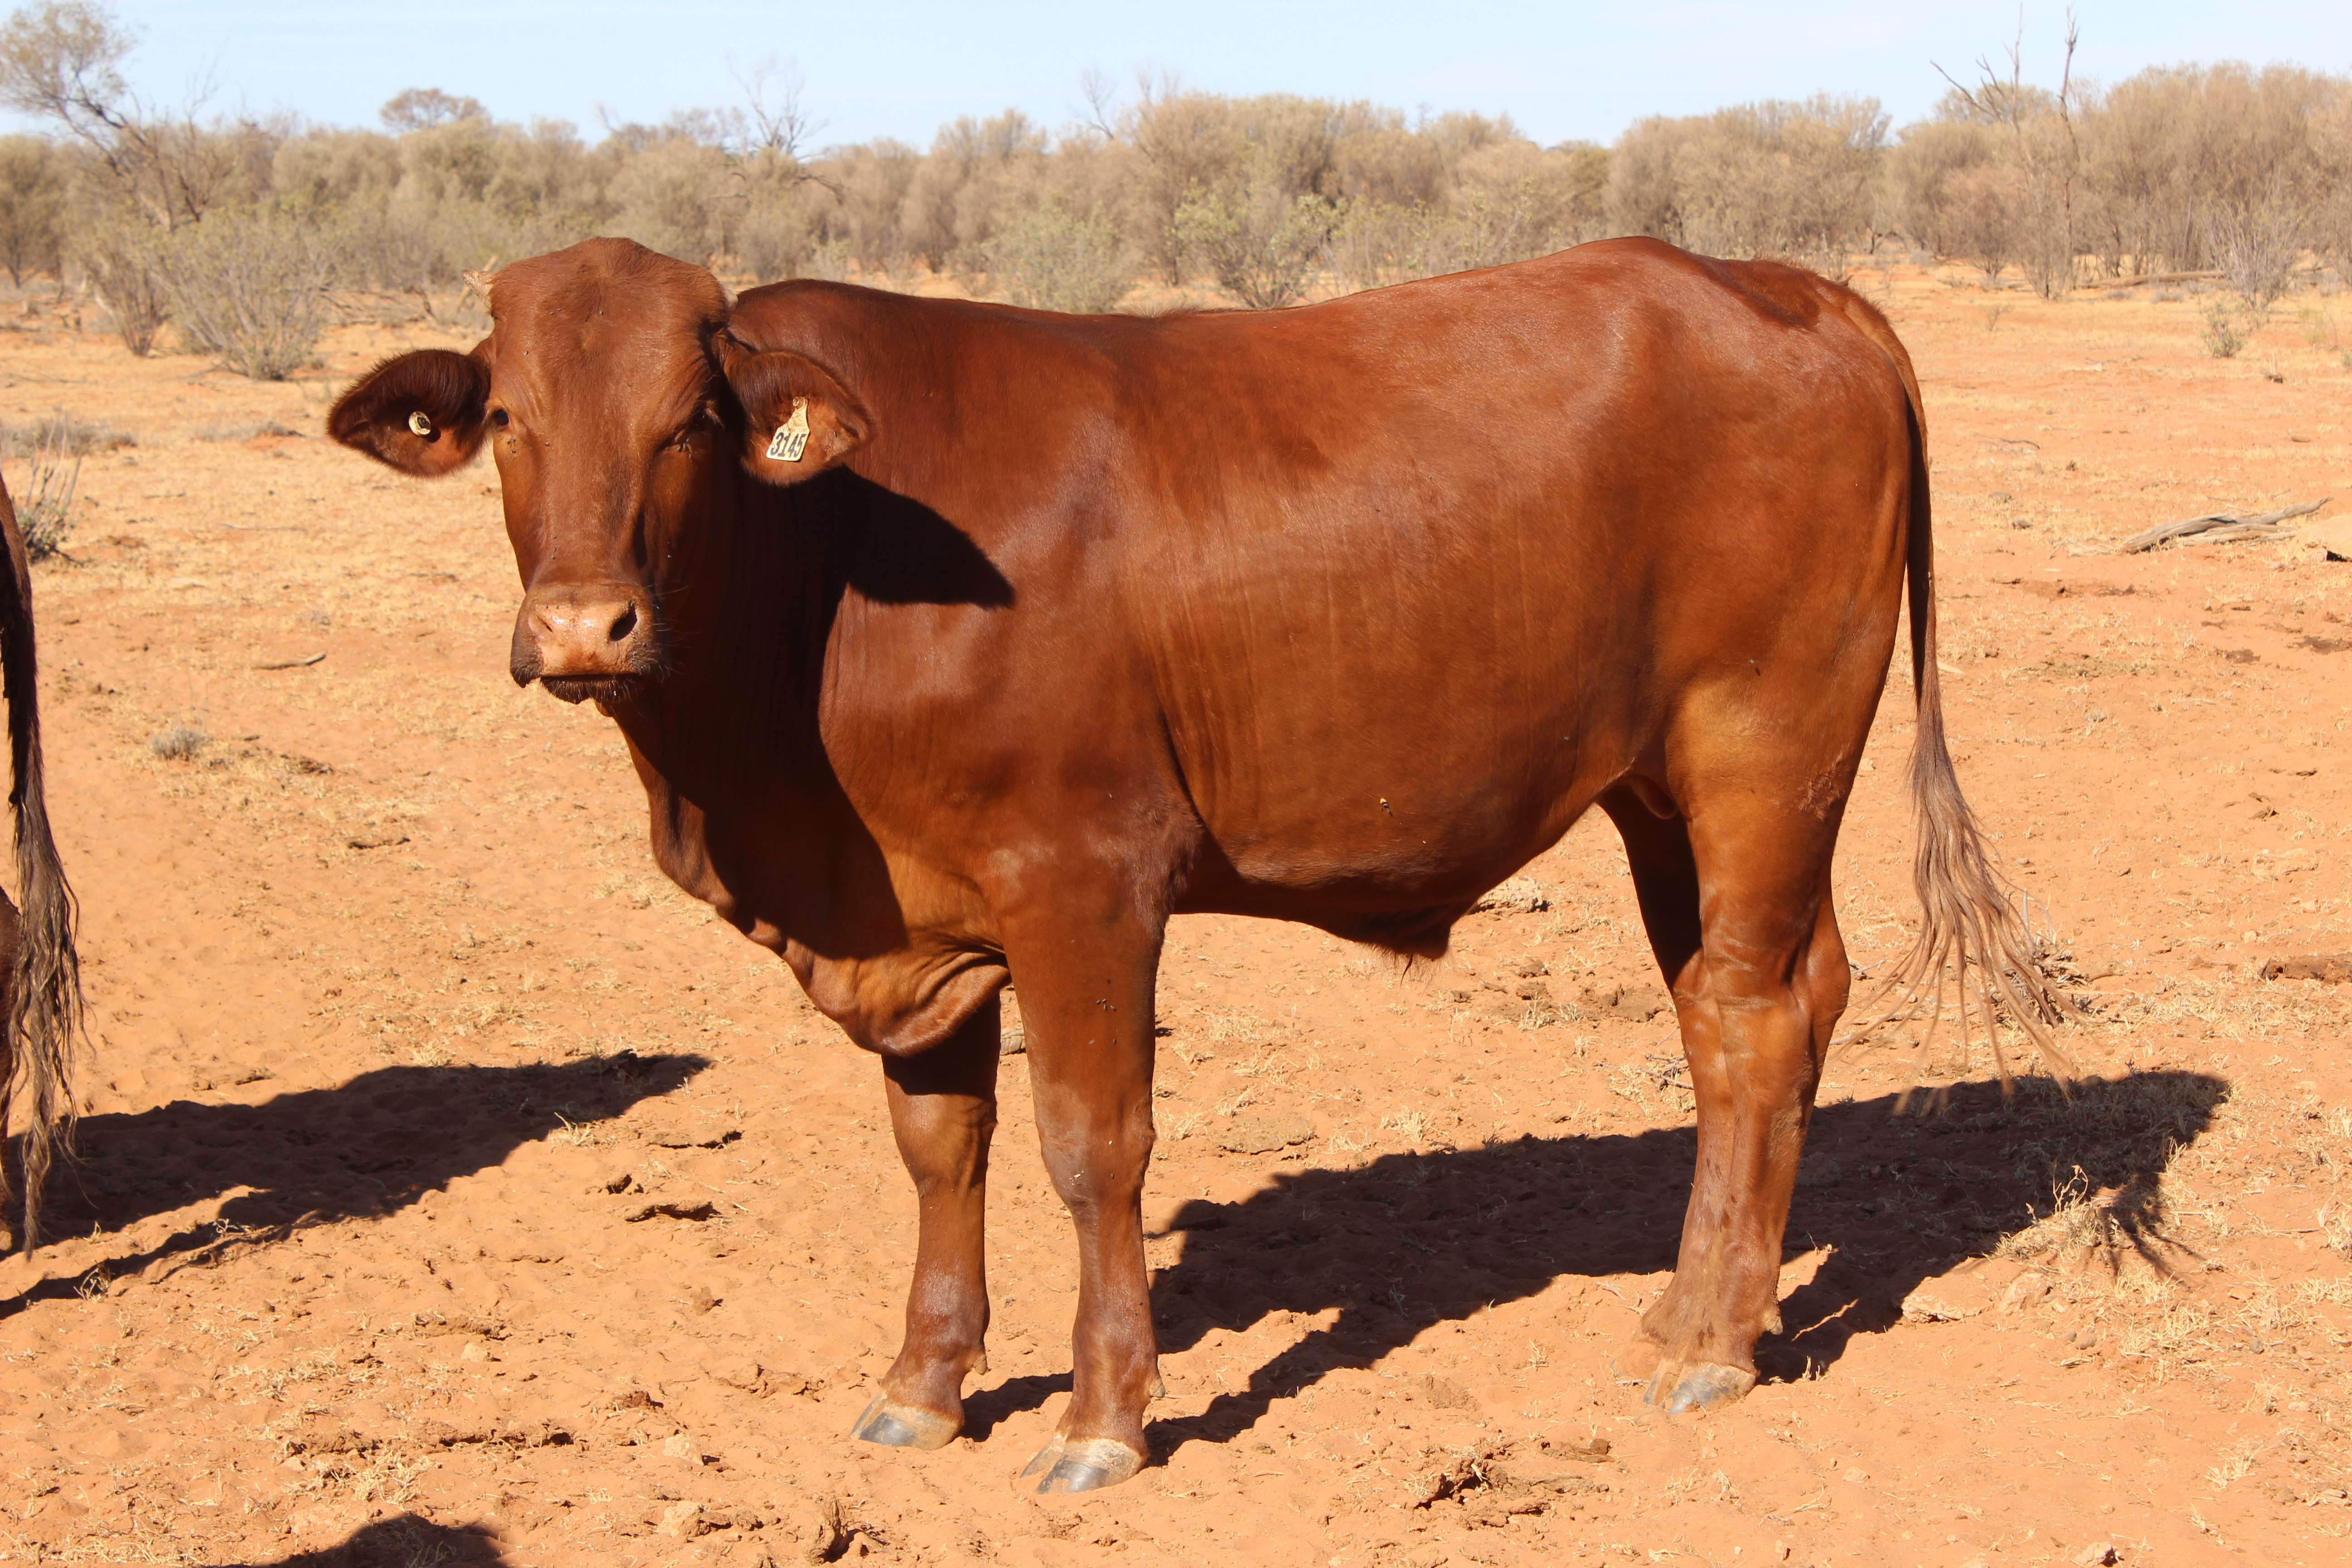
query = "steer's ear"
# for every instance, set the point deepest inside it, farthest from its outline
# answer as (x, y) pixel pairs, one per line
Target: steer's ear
(422, 413)
(798, 420)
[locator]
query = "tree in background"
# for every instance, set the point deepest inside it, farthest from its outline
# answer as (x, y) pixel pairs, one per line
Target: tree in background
(2045, 156)
(58, 62)
(1052, 260)
(145, 170)
(423, 107)
(32, 208)
(1261, 200)
(1796, 180)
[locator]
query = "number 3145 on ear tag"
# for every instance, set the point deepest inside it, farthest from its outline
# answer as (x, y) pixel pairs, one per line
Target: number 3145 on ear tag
(791, 436)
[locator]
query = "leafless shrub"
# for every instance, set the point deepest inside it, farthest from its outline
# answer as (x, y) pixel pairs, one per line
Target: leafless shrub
(2256, 251)
(125, 273)
(53, 447)
(45, 500)
(2044, 153)
(250, 288)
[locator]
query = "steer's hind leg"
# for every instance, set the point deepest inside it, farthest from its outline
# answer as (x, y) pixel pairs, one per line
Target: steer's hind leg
(943, 1111)
(1737, 907)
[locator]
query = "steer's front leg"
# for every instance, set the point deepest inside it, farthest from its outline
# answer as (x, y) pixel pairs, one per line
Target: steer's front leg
(943, 1111)
(1087, 1008)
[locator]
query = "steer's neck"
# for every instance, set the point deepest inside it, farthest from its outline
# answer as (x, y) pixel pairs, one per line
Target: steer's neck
(746, 812)
(968, 402)
(743, 600)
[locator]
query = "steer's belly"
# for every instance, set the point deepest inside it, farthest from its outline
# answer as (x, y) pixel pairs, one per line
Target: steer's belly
(1404, 808)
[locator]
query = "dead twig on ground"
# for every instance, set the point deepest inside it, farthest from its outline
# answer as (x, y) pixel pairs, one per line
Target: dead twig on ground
(2218, 528)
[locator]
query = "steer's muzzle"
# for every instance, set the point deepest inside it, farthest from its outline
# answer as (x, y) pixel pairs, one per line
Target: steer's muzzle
(593, 639)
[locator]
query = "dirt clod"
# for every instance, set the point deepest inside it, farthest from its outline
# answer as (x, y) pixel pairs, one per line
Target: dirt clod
(1265, 1133)
(1446, 1395)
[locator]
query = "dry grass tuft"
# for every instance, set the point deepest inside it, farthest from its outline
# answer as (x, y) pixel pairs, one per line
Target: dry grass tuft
(179, 743)
(68, 434)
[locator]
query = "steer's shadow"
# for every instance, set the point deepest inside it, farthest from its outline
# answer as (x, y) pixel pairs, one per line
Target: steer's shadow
(365, 1148)
(1414, 1239)
(403, 1540)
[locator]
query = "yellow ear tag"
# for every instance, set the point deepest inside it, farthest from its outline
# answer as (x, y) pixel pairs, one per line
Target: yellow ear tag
(420, 424)
(791, 439)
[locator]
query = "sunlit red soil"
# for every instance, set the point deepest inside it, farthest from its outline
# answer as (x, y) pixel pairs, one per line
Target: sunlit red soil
(453, 1191)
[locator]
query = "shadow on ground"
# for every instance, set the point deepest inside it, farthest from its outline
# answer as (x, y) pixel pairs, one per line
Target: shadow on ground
(404, 1542)
(1397, 1246)
(1416, 1240)
(361, 1149)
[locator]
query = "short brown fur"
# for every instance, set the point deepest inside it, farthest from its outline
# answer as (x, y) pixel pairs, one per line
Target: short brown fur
(1337, 615)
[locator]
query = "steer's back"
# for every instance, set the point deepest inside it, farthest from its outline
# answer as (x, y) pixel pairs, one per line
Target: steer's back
(1418, 571)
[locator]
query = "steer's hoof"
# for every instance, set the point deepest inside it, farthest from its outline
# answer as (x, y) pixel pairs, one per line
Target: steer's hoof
(1040, 1462)
(1087, 1465)
(1681, 1385)
(904, 1425)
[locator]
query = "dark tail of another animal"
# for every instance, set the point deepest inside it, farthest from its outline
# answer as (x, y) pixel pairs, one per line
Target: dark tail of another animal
(1969, 919)
(44, 983)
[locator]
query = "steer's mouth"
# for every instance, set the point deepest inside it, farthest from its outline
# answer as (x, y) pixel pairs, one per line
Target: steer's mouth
(603, 689)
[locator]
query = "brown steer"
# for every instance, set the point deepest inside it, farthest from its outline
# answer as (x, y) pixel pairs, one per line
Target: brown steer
(956, 643)
(40, 980)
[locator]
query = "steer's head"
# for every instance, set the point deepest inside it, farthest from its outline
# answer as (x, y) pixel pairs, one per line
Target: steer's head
(619, 409)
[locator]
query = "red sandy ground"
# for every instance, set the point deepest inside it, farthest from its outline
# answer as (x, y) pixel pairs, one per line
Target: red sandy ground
(453, 1191)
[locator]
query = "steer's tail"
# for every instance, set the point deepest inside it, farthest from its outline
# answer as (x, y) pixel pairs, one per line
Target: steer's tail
(1971, 922)
(44, 983)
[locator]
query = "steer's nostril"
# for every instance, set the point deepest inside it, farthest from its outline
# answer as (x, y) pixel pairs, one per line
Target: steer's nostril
(622, 627)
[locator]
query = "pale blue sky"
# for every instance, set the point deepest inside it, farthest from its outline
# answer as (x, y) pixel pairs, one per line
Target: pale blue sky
(901, 68)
